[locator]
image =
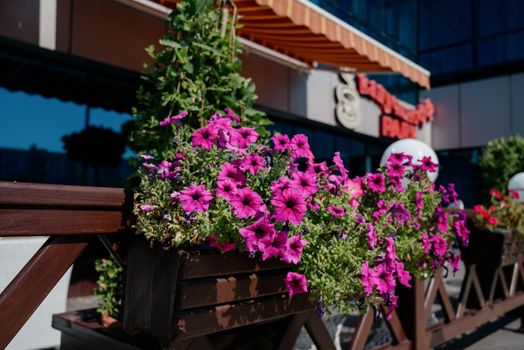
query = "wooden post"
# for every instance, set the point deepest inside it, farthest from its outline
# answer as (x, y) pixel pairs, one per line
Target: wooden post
(412, 313)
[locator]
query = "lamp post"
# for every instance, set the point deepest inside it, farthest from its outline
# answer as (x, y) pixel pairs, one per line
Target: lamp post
(516, 183)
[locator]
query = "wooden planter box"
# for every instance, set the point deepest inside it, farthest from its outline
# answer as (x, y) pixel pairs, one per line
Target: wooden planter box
(177, 295)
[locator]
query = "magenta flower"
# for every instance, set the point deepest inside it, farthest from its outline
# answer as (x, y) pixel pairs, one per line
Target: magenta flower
(339, 163)
(384, 280)
(204, 137)
(367, 278)
(167, 170)
(440, 246)
(226, 189)
(462, 231)
(403, 276)
(146, 208)
(253, 163)
(400, 158)
(376, 182)
(246, 203)
(175, 197)
(300, 146)
(426, 243)
(337, 212)
(391, 252)
(275, 247)
(195, 198)
(454, 261)
(243, 137)
(223, 247)
(258, 234)
(232, 173)
(353, 187)
(296, 283)
(371, 235)
(395, 169)
(304, 183)
(230, 114)
(427, 164)
(419, 203)
(283, 183)
(399, 213)
(320, 168)
(312, 203)
(294, 249)
(289, 206)
(442, 220)
(172, 119)
(281, 142)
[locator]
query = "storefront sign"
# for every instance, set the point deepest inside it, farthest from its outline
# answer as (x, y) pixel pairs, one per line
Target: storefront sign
(348, 102)
(397, 120)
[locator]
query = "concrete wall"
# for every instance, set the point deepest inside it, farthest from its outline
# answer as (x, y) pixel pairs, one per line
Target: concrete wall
(471, 114)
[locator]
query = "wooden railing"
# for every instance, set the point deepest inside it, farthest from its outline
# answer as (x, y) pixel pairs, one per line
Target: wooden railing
(71, 216)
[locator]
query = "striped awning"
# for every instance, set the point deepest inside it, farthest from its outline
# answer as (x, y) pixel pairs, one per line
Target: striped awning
(304, 31)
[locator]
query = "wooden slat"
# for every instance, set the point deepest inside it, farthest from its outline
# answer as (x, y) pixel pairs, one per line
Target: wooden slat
(41, 222)
(207, 321)
(31, 285)
(214, 265)
(360, 337)
(293, 330)
(214, 291)
(318, 332)
(21, 194)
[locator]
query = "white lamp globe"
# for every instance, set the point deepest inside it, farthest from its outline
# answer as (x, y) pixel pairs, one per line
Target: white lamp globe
(414, 148)
(516, 183)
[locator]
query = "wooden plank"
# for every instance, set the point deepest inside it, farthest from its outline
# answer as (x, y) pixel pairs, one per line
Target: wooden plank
(360, 337)
(293, 330)
(395, 327)
(20, 194)
(318, 332)
(39, 222)
(202, 265)
(448, 331)
(213, 291)
(206, 321)
(31, 285)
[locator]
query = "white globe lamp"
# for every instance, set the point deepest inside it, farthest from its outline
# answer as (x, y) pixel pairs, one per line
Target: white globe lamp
(414, 148)
(516, 183)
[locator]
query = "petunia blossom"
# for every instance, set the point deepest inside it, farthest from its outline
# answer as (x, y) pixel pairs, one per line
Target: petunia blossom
(427, 164)
(376, 182)
(253, 163)
(195, 198)
(204, 137)
(245, 202)
(230, 172)
(258, 234)
(336, 212)
(222, 247)
(173, 119)
(281, 142)
(226, 189)
(462, 231)
(244, 137)
(439, 245)
(293, 253)
(296, 283)
(289, 206)
(304, 183)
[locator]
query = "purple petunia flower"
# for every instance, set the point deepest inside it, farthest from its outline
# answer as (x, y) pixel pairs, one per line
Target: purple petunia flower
(399, 213)
(337, 212)
(439, 245)
(462, 231)
(371, 235)
(304, 183)
(226, 189)
(294, 249)
(289, 206)
(146, 208)
(172, 119)
(232, 173)
(376, 182)
(296, 283)
(258, 234)
(245, 202)
(282, 184)
(426, 243)
(300, 146)
(243, 137)
(281, 142)
(427, 164)
(253, 163)
(195, 198)
(204, 137)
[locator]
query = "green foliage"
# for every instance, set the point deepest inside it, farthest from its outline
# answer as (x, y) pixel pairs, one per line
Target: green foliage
(109, 287)
(501, 159)
(197, 70)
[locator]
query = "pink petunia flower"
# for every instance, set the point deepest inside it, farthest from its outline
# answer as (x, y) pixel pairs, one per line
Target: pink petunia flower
(293, 253)
(371, 235)
(304, 183)
(353, 187)
(426, 243)
(439, 245)
(399, 213)
(395, 169)
(243, 137)
(258, 234)
(195, 198)
(403, 275)
(462, 231)
(454, 261)
(245, 203)
(275, 247)
(174, 118)
(337, 212)
(232, 173)
(230, 114)
(427, 164)
(222, 247)
(339, 163)
(300, 146)
(146, 208)
(367, 278)
(400, 158)
(253, 163)
(167, 170)
(281, 142)
(383, 279)
(296, 283)
(376, 182)
(289, 206)
(226, 189)
(283, 183)
(204, 137)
